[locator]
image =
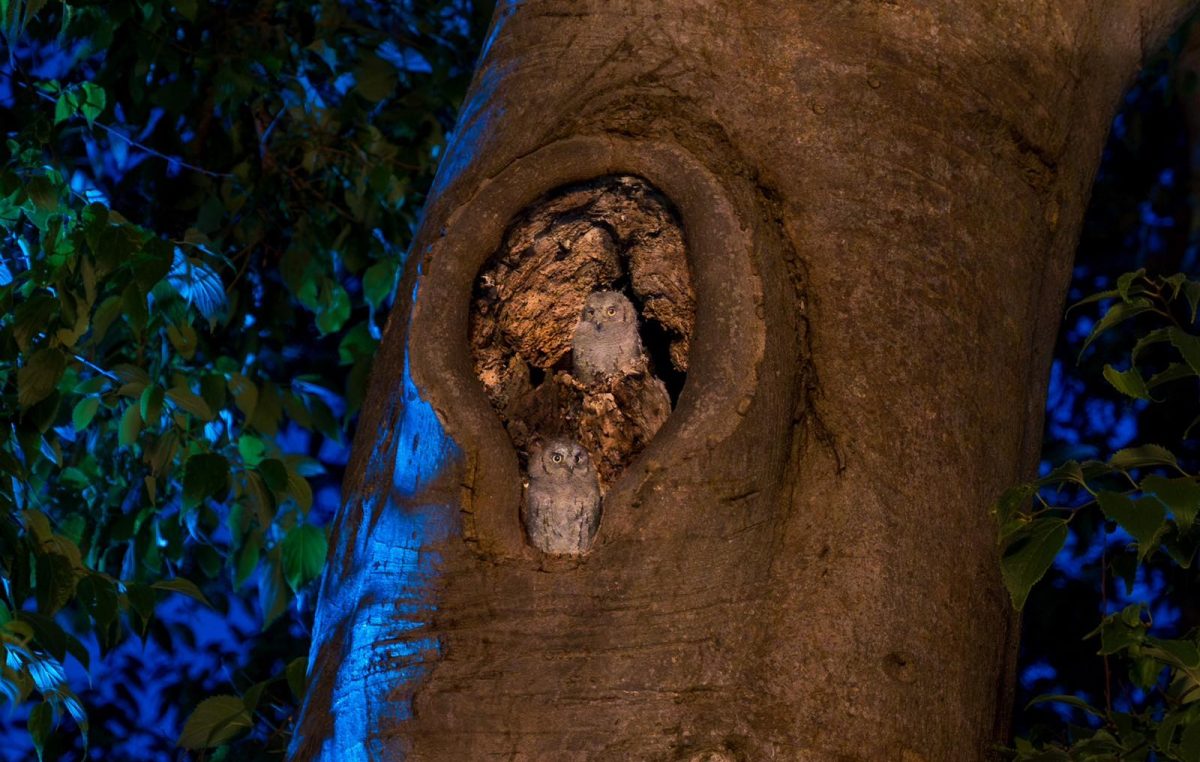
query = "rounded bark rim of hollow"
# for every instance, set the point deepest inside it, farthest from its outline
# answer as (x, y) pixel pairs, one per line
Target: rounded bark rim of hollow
(727, 345)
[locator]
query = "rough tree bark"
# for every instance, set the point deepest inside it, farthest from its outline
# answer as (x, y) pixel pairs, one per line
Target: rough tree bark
(879, 201)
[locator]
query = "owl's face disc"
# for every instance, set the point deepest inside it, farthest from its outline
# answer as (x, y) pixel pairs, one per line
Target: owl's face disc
(563, 457)
(606, 308)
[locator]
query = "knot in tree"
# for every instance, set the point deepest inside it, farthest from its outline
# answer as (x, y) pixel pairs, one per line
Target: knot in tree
(580, 328)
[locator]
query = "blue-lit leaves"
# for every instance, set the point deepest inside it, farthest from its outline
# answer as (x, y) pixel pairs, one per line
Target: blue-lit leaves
(197, 283)
(404, 59)
(221, 153)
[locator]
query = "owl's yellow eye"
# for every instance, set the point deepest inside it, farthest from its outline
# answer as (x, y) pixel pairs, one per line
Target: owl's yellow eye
(612, 310)
(557, 458)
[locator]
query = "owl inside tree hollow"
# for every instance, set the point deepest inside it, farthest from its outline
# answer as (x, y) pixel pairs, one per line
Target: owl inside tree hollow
(606, 340)
(562, 504)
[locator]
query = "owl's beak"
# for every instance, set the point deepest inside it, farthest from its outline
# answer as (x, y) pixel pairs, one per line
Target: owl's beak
(599, 325)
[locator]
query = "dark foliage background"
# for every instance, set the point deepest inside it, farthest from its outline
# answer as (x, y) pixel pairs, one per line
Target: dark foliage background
(1143, 214)
(203, 211)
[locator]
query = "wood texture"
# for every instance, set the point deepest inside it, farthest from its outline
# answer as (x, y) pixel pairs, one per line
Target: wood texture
(879, 203)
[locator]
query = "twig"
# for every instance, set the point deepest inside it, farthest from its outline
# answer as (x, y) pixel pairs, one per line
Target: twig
(117, 133)
(97, 368)
(1103, 610)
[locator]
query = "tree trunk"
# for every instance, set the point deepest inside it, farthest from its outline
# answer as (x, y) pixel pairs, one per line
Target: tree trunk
(879, 202)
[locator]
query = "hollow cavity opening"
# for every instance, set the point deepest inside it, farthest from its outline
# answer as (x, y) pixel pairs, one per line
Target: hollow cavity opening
(614, 245)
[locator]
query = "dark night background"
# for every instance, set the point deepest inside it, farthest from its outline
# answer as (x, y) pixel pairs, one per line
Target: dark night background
(283, 150)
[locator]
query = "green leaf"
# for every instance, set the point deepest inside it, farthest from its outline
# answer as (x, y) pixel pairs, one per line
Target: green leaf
(253, 695)
(1189, 742)
(1060, 698)
(48, 634)
(297, 677)
(1188, 346)
(1180, 495)
(259, 499)
(1096, 297)
(181, 585)
(131, 426)
(1178, 653)
(1173, 372)
(1143, 519)
(206, 475)
(299, 490)
(188, 400)
(268, 410)
(1126, 281)
(37, 379)
(1139, 457)
(41, 724)
(378, 281)
(1165, 735)
(43, 193)
(1121, 630)
(64, 107)
(1157, 336)
(56, 580)
(304, 550)
(186, 8)
(1144, 672)
(1178, 547)
(141, 600)
(84, 412)
(212, 390)
(1127, 382)
(375, 78)
(1012, 503)
(357, 343)
(150, 404)
(215, 721)
(275, 474)
(92, 101)
(133, 304)
(99, 597)
(273, 593)
(247, 562)
(1191, 290)
(245, 394)
(334, 309)
(1030, 553)
(252, 449)
(183, 339)
(1117, 313)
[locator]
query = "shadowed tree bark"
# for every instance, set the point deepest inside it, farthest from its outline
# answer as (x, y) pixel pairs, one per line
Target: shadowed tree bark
(879, 202)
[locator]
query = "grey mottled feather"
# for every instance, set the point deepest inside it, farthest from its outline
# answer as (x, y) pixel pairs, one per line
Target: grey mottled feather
(606, 340)
(562, 505)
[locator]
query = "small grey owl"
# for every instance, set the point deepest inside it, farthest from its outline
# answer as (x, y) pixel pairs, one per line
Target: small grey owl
(606, 338)
(562, 506)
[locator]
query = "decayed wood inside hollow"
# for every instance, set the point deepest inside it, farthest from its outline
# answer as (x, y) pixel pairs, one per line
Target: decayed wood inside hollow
(613, 233)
